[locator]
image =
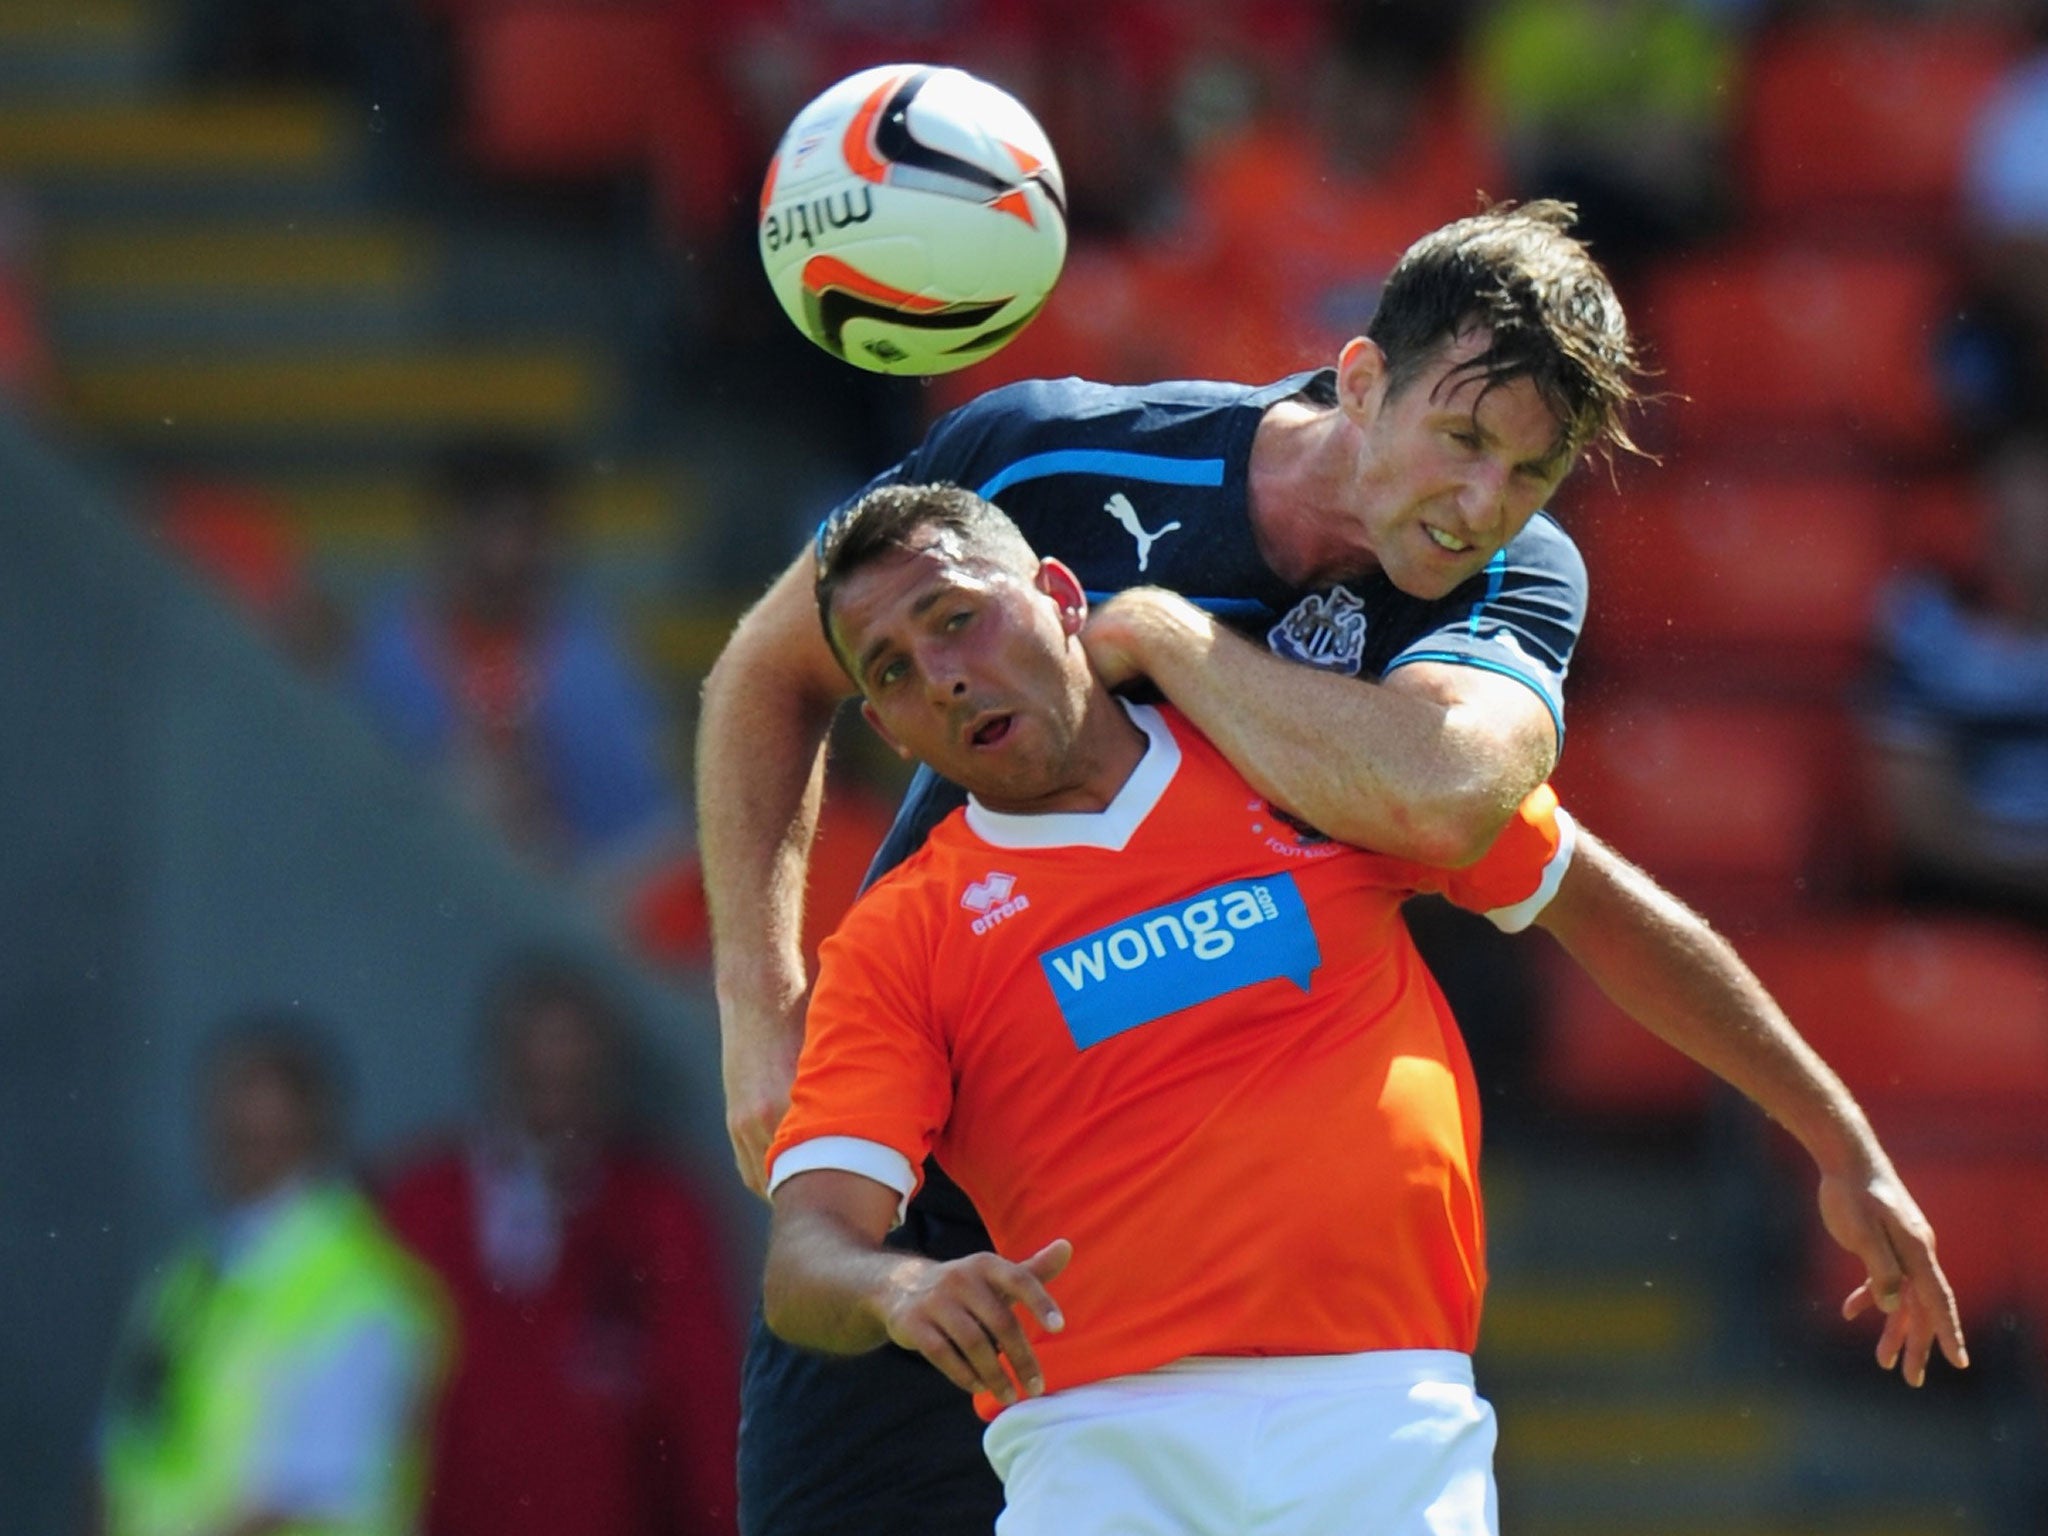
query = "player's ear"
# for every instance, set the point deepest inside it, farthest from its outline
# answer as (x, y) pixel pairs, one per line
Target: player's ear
(867, 713)
(1060, 584)
(1361, 370)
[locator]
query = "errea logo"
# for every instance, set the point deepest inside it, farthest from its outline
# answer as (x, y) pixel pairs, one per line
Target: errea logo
(991, 897)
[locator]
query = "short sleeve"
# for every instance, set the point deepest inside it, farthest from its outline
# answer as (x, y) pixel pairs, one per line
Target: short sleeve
(875, 1068)
(1520, 617)
(1514, 880)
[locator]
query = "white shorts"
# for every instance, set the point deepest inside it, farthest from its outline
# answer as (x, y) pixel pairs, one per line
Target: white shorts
(1389, 1443)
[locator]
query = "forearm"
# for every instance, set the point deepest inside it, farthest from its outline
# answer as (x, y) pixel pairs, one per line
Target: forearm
(767, 705)
(1665, 967)
(825, 1284)
(1418, 772)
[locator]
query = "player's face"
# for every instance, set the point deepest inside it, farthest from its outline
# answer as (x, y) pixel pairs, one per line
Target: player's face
(973, 669)
(1452, 470)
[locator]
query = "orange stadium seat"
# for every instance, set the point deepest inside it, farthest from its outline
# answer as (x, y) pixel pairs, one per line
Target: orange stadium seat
(1849, 116)
(1943, 525)
(1775, 345)
(1947, 1018)
(1726, 802)
(1940, 1028)
(567, 90)
(1766, 578)
(1594, 1059)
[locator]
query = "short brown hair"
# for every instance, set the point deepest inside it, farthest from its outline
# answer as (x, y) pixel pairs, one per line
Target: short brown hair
(1518, 272)
(886, 520)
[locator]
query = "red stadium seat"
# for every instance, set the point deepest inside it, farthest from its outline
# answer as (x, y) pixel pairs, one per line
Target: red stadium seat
(567, 90)
(1945, 1018)
(1765, 578)
(1943, 525)
(1726, 802)
(1940, 1028)
(1594, 1059)
(1781, 344)
(1855, 116)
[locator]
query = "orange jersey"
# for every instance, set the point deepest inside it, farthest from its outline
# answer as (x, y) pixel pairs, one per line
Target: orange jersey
(1188, 1035)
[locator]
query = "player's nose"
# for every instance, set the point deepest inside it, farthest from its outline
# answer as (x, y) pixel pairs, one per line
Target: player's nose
(1482, 500)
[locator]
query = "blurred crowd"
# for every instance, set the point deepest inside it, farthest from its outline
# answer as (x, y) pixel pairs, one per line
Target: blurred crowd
(522, 1329)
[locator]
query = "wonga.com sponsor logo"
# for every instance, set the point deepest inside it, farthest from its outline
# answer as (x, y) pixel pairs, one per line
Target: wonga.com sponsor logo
(1185, 952)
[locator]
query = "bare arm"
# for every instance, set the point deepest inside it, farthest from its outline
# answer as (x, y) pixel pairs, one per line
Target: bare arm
(1683, 982)
(831, 1285)
(1433, 762)
(768, 704)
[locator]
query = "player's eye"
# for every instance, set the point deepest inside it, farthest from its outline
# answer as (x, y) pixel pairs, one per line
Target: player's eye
(959, 619)
(1469, 441)
(892, 671)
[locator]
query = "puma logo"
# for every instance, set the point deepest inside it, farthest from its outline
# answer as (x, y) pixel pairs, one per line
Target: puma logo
(1119, 507)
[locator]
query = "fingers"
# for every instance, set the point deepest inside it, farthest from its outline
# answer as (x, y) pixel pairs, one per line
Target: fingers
(970, 1340)
(1932, 1304)
(966, 1322)
(1907, 1285)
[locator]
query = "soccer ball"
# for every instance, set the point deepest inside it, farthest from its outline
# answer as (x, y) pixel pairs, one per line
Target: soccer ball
(913, 219)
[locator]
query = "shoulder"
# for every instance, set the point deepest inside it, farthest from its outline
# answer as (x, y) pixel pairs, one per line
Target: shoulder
(1544, 546)
(994, 431)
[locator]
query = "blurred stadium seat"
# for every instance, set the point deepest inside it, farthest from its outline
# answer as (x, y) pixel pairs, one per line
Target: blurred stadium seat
(1775, 345)
(566, 90)
(1727, 802)
(1941, 1022)
(1765, 579)
(1865, 116)
(1593, 1059)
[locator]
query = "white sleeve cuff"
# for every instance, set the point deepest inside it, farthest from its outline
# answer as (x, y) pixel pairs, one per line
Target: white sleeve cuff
(848, 1154)
(1514, 919)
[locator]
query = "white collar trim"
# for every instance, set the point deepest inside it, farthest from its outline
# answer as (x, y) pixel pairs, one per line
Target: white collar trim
(1111, 827)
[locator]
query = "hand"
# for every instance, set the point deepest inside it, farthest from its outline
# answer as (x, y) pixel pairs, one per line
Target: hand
(759, 1065)
(1119, 631)
(1874, 1218)
(962, 1317)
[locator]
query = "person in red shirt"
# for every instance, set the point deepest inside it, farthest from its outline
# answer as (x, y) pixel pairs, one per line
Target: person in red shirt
(1180, 1051)
(595, 1378)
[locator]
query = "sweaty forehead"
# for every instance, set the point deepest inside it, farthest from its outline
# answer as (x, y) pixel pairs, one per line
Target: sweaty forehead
(900, 585)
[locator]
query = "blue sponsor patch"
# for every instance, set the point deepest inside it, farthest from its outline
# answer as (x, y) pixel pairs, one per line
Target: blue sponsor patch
(1144, 967)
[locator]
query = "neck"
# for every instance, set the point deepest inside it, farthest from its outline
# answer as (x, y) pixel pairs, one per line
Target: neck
(1302, 464)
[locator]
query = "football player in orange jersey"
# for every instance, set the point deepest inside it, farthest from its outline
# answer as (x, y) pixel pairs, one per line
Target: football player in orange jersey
(1079, 1097)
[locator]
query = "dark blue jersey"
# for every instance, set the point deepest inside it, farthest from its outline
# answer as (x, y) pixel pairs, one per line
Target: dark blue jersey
(1148, 484)
(1126, 486)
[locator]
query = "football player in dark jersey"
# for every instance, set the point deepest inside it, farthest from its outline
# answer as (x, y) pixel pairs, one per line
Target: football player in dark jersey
(1346, 579)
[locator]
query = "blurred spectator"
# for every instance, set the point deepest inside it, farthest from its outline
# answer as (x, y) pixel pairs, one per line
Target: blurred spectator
(244, 542)
(1619, 106)
(1301, 213)
(595, 1387)
(1996, 360)
(275, 1370)
(1962, 725)
(523, 700)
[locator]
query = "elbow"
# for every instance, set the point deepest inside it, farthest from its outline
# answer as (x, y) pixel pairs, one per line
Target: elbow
(1449, 835)
(1454, 841)
(777, 1313)
(782, 1310)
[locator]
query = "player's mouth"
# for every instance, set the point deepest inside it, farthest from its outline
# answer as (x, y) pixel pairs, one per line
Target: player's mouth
(990, 730)
(1446, 542)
